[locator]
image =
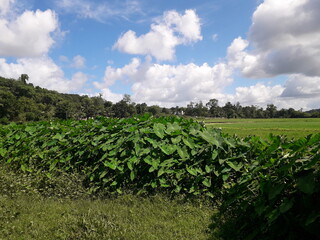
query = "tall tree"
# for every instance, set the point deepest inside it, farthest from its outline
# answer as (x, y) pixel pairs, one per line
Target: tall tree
(24, 78)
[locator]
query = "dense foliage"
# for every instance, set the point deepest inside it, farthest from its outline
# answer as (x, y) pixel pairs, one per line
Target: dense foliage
(277, 195)
(140, 154)
(267, 189)
(21, 101)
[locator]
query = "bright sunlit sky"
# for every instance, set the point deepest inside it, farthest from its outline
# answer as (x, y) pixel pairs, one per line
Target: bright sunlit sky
(167, 52)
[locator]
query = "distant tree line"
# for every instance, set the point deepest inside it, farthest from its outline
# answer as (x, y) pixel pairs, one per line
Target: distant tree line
(21, 101)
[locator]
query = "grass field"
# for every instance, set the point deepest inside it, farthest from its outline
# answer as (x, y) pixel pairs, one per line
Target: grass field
(292, 128)
(25, 213)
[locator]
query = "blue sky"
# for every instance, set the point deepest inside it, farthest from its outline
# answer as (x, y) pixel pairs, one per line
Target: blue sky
(167, 52)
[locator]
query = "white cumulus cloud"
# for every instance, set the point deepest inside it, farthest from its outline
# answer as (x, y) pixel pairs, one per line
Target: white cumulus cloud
(170, 85)
(78, 62)
(284, 39)
(258, 94)
(42, 72)
(301, 86)
(28, 35)
(110, 96)
(5, 6)
(171, 30)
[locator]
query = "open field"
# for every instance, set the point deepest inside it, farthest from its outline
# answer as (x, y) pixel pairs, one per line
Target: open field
(292, 128)
(32, 207)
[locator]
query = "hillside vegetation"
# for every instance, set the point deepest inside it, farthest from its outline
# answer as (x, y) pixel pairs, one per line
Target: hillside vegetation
(21, 101)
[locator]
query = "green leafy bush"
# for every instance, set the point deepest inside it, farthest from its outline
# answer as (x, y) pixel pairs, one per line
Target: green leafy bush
(142, 154)
(278, 197)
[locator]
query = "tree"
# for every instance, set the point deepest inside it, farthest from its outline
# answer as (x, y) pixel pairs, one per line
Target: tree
(229, 110)
(141, 108)
(213, 107)
(24, 78)
(271, 111)
(124, 108)
(154, 110)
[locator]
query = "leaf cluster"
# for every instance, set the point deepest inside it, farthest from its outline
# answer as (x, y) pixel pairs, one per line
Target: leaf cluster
(277, 196)
(142, 154)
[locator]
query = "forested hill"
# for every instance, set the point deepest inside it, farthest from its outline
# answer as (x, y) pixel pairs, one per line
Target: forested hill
(21, 101)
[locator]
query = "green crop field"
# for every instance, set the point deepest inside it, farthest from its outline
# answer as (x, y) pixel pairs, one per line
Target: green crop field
(292, 128)
(158, 178)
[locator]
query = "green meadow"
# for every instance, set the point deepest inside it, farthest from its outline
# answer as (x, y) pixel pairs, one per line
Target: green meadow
(292, 128)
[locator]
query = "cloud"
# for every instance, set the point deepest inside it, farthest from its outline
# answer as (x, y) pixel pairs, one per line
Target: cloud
(261, 95)
(100, 12)
(258, 94)
(301, 86)
(110, 96)
(166, 33)
(283, 39)
(78, 62)
(111, 74)
(215, 37)
(5, 6)
(28, 35)
(42, 72)
(169, 85)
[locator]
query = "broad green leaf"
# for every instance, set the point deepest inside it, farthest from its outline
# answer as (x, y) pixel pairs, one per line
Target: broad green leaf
(306, 184)
(153, 184)
(3, 152)
(275, 190)
(176, 140)
(152, 141)
(188, 142)
(192, 171)
(168, 149)
(23, 167)
(137, 148)
(161, 171)
(230, 142)
(168, 163)
(148, 160)
(209, 194)
(111, 165)
(163, 182)
(114, 183)
(130, 165)
(312, 217)
(183, 153)
(207, 182)
(144, 151)
(159, 130)
(132, 175)
(214, 154)
(208, 169)
(103, 174)
(225, 177)
(236, 167)
(209, 138)
(286, 205)
(273, 215)
(58, 136)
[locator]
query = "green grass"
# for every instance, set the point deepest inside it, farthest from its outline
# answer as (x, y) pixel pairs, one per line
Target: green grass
(126, 217)
(29, 212)
(292, 128)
